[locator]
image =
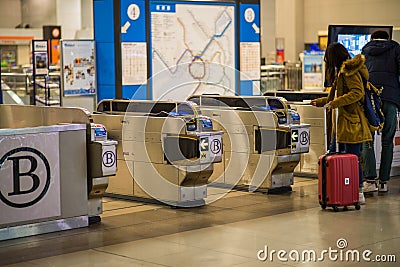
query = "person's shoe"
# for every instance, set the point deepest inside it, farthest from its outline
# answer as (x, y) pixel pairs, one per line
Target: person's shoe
(370, 179)
(369, 187)
(383, 187)
(361, 198)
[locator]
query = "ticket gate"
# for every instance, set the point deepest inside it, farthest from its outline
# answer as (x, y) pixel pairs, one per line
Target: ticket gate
(54, 169)
(263, 140)
(166, 150)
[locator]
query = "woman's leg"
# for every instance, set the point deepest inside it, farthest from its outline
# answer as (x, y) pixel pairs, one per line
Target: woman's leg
(354, 149)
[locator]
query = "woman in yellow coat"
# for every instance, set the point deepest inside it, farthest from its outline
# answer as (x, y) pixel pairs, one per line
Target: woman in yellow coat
(345, 75)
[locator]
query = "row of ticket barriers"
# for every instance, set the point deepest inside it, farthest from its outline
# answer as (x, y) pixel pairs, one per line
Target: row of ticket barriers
(56, 164)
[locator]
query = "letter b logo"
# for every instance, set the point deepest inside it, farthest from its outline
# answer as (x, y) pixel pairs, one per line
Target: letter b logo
(22, 187)
(108, 158)
(17, 174)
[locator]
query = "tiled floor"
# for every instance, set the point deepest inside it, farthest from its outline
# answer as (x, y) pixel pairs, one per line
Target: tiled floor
(228, 232)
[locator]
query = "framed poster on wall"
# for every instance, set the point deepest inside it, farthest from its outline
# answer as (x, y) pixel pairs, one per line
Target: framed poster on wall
(40, 57)
(313, 70)
(78, 67)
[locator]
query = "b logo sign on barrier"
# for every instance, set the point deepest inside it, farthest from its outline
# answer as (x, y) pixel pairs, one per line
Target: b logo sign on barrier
(34, 159)
(216, 146)
(304, 138)
(108, 158)
(29, 177)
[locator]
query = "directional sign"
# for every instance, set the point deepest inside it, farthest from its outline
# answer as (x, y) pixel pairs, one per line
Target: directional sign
(204, 144)
(300, 139)
(295, 136)
(256, 28)
(125, 27)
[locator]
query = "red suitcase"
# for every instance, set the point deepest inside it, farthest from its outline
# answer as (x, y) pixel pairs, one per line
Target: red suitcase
(338, 181)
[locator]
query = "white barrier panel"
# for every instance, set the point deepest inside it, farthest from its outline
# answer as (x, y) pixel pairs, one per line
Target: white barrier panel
(29, 177)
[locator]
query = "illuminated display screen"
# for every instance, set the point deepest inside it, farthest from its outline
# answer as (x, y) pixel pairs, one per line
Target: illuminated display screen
(354, 37)
(354, 42)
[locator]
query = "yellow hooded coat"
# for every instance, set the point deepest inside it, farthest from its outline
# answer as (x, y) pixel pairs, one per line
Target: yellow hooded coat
(353, 126)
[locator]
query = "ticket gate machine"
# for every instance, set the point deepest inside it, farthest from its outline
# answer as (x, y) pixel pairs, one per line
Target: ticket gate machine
(68, 162)
(263, 140)
(166, 150)
(102, 159)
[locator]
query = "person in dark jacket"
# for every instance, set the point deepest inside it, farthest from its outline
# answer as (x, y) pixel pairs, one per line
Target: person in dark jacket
(383, 63)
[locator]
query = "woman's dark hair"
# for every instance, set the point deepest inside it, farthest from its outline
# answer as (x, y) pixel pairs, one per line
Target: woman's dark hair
(335, 55)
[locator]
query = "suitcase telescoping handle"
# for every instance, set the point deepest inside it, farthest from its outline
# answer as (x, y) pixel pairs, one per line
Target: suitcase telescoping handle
(323, 161)
(334, 130)
(325, 130)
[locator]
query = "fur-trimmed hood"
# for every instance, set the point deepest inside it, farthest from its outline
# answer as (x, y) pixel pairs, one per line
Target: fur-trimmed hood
(354, 65)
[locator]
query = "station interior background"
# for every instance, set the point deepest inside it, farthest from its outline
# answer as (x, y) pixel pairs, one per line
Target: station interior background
(231, 231)
(299, 22)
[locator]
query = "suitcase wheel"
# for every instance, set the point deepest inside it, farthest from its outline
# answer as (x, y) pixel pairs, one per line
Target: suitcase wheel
(335, 208)
(323, 206)
(345, 208)
(357, 206)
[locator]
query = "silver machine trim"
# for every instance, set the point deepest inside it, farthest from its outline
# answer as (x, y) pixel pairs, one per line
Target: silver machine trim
(43, 227)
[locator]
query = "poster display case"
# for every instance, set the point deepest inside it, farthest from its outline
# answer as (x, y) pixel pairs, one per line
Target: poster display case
(78, 67)
(313, 70)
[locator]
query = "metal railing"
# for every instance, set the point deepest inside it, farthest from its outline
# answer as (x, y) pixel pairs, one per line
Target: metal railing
(48, 88)
(281, 77)
(16, 81)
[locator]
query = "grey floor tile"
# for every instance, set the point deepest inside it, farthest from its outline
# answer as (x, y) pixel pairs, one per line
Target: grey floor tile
(199, 257)
(22, 264)
(257, 263)
(88, 258)
(144, 249)
(228, 232)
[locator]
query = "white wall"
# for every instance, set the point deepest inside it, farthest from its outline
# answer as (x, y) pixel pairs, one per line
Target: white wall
(36, 33)
(396, 34)
(69, 17)
(290, 26)
(87, 13)
(299, 21)
(23, 50)
(10, 13)
(267, 8)
(23, 54)
(66, 13)
(87, 31)
(298, 46)
(318, 14)
(37, 13)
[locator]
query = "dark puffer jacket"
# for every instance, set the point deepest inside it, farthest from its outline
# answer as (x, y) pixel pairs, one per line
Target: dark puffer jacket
(383, 63)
